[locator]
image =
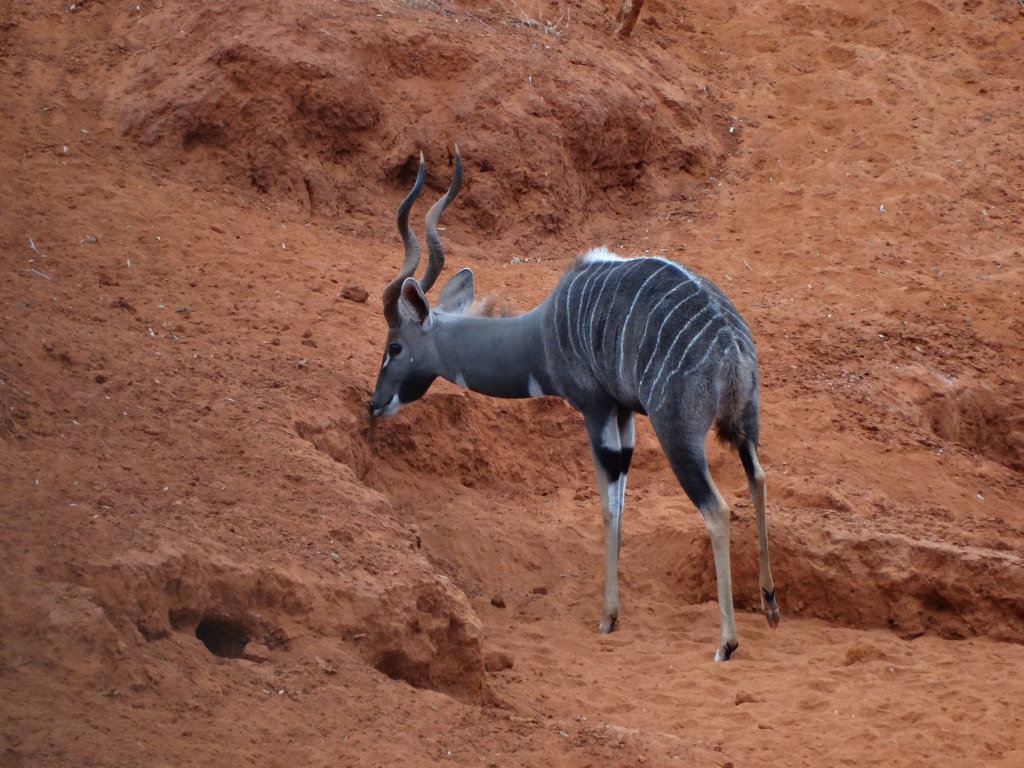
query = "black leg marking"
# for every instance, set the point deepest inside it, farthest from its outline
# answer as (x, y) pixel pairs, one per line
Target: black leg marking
(769, 596)
(626, 458)
(611, 462)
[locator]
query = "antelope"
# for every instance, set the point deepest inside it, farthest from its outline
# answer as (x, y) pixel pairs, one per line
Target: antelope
(616, 337)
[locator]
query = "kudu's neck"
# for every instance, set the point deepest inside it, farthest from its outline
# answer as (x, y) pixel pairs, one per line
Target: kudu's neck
(495, 356)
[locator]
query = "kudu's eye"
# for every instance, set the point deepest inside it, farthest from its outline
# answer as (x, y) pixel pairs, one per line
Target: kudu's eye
(395, 348)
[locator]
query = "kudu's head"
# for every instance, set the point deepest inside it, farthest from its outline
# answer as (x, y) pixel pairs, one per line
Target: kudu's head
(411, 357)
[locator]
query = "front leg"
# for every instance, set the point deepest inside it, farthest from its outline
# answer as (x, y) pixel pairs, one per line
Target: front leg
(611, 461)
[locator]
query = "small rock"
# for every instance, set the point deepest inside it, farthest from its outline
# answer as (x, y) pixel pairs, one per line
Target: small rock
(498, 601)
(355, 293)
(540, 590)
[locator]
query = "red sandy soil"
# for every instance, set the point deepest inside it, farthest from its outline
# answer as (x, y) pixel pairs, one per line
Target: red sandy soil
(210, 555)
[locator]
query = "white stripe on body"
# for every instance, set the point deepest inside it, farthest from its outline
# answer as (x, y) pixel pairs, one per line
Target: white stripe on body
(693, 367)
(625, 323)
(593, 313)
(682, 332)
(741, 328)
(661, 328)
(587, 349)
(650, 312)
(569, 305)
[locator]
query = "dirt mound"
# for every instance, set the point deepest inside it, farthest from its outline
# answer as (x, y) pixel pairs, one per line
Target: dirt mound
(414, 627)
(326, 118)
(452, 438)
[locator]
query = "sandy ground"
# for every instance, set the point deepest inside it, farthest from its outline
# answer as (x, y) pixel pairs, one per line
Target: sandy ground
(212, 557)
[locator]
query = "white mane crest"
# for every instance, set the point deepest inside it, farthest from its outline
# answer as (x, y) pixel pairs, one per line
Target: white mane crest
(600, 254)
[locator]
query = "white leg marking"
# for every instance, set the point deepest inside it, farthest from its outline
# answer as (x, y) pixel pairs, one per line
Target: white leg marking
(627, 432)
(611, 510)
(627, 438)
(610, 438)
(605, 437)
(717, 522)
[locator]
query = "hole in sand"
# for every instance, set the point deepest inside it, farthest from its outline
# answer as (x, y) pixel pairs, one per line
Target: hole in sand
(223, 637)
(398, 666)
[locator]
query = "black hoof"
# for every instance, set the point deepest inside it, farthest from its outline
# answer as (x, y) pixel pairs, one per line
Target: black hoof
(770, 607)
(725, 652)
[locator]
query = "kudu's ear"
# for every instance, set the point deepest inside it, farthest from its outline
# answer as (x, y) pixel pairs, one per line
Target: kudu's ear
(457, 293)
(413, 303)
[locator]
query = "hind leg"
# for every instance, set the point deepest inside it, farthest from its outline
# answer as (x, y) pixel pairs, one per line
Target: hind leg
(691, 468)
(755, 481)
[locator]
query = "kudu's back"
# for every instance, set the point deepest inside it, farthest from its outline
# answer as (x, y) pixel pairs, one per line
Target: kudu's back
(654, 338)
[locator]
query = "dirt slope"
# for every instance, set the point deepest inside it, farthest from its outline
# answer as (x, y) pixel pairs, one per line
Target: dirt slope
(211, 556)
